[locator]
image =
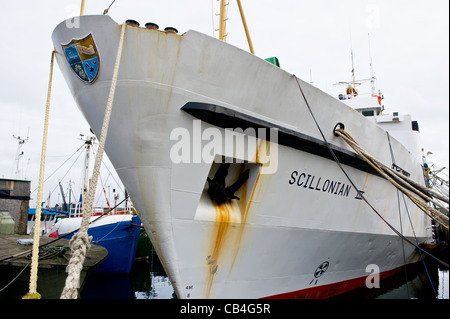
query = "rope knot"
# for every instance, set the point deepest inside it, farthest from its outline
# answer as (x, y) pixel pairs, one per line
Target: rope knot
(79, 244)
(80, 240)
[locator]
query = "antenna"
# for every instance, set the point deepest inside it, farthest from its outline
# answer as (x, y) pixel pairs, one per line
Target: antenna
(19, 155)
(372, 78)
(351, 90)
(353, 65)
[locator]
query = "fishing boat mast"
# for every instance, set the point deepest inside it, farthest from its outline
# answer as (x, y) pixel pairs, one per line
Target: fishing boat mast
(19, 155)
(88, 142)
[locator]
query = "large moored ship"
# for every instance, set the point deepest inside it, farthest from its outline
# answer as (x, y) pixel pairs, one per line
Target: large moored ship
(229, 161)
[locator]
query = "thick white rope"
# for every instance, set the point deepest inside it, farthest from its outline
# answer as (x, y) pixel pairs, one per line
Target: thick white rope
(407, 189)
(80, 242)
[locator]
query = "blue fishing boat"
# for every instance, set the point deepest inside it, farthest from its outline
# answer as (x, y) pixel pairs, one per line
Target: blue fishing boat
(118, 233)
(116, 229)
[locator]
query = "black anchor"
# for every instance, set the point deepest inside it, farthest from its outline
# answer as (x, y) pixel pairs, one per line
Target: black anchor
(218, 191)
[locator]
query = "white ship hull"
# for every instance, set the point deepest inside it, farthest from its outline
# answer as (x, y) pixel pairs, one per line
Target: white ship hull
(295, 213)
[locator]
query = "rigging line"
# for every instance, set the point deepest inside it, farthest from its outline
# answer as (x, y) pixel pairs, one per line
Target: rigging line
(410, 222)
(20, 273)
(107, 9)
(400, 218)
(68, 170)
(53, 173)
(417, 242)
(114, 228)
(351, 181)
(403, 243)
(101, 182)
(111, 174)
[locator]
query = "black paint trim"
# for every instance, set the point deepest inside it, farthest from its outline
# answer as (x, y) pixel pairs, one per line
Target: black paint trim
(223, 117)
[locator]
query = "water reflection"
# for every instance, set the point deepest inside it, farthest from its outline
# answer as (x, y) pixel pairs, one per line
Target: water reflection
(443, 285)
(414, 282)
(148, 280)
(107, 286)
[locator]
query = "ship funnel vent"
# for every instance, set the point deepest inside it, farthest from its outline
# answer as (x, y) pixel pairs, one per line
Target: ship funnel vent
(171, 30)
(152, 26)
(132, 23)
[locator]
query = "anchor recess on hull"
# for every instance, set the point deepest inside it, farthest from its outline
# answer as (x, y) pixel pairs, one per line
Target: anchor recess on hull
(218, 191)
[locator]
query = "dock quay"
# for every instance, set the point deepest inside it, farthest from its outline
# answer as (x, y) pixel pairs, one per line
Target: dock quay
(54, 255)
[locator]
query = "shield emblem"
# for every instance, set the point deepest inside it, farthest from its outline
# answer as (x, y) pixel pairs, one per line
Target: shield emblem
(83, 58)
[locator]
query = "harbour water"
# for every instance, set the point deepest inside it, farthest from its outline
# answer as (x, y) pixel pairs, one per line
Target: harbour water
(148, 280)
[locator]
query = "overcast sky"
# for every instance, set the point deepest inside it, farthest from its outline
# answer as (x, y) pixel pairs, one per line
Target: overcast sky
(409, 46)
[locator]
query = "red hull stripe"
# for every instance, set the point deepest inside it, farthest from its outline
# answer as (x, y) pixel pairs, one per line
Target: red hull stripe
(331, 290)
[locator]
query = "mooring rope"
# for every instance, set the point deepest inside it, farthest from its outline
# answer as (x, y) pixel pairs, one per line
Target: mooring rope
(414, 186)
(353, 184)
(80, 242)
(409, 190)
(32, 293)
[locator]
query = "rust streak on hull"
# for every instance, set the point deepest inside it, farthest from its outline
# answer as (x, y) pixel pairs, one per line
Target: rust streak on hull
(223, 216)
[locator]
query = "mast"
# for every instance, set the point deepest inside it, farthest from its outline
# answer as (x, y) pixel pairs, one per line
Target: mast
(223, 20)
(353, 73)
(70, 195)
(88, 143)
(223, 23)
(19, 155)
(83, 2)
(63, 197)
(372, 78)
